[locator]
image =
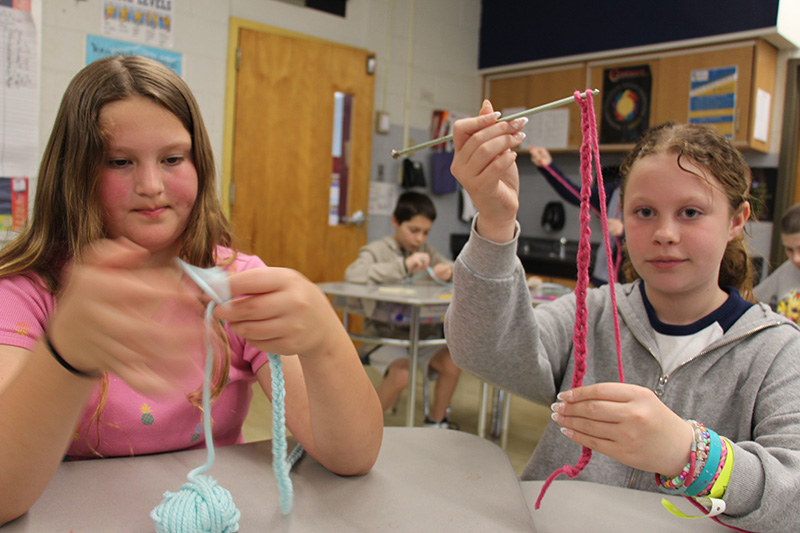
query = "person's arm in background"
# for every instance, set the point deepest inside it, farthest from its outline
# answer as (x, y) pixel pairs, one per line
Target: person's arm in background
(567, 189)
(369, 268)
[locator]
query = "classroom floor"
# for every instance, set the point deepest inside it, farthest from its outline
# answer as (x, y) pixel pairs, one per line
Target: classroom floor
(526, 423)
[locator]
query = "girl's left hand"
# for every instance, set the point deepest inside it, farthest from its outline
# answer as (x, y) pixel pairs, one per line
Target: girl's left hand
(627, 423)
(278, 310)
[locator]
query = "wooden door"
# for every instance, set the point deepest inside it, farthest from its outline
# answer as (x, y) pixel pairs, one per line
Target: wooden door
(282, 140)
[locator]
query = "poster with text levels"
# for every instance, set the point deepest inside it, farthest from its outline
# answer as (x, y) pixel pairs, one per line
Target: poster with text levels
(142, 21)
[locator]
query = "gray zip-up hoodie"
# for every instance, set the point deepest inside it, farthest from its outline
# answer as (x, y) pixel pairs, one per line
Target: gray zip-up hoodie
(745, 386)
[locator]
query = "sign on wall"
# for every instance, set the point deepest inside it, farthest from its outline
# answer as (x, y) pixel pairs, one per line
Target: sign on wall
(143, 21)
(626, 104)
(712, 98)
(98, 47)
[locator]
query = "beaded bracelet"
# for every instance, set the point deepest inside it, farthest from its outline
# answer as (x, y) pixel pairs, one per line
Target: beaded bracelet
(722, 458)
(697, 458)
(712, 463)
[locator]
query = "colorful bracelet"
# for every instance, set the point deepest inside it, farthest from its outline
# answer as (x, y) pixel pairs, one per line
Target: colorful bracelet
(710, 468)
(62, 362)
(721, 485)
(723, 454)
(697, 457)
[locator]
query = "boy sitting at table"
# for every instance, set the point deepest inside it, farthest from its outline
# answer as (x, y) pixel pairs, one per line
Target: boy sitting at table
(404, 257)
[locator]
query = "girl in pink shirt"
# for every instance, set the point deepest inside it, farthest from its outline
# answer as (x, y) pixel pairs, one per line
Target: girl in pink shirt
(101, 337)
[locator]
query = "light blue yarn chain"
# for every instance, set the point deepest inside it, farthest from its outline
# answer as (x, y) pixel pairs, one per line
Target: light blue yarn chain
(428, 272)
(213, 282)
(280, 465)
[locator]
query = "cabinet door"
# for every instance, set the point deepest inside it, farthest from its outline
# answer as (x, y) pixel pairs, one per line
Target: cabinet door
(505, 92)
(548, 85)
(537, 87)
(755, 68)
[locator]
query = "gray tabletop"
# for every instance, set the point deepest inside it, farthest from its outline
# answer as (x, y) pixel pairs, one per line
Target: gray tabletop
(416, 294)
(571, 505)
(424, 480)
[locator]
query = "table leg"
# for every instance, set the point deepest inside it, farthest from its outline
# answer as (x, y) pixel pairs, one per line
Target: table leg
(506, 419)
(484, 406)
(412, 370)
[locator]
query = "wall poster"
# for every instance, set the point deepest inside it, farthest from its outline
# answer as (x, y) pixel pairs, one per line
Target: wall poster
(626, 104)
(712, 98)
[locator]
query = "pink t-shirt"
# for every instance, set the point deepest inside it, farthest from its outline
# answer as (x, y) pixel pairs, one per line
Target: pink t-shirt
(130, 423)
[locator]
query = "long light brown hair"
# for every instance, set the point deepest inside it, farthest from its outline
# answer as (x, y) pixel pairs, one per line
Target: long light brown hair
(67, 213)
(711, 151)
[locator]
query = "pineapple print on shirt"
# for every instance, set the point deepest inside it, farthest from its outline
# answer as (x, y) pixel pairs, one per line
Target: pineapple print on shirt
(147, 416)
(198, 430)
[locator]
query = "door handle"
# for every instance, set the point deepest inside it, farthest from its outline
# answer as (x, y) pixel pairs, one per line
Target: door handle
(356, 219)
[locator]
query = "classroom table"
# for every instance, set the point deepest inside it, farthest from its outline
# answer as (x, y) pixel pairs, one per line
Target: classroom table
(424, 480)
(410, 305)
(572, 505)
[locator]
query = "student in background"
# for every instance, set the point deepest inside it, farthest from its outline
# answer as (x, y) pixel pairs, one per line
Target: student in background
(704, 368)
(779, 285)
(395, 259)
(101, 339)
(570, 192)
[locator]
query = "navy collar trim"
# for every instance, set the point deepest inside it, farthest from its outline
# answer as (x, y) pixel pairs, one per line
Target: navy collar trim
(726, 315)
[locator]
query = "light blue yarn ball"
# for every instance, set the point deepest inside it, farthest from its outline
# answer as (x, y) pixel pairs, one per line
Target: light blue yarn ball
(200, 505)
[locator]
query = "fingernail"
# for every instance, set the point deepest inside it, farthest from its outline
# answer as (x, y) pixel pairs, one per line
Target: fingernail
(564, 396)
(557, 407)
(519, 123)
(567, 432)
(555, 417)
(491, 117)
(519, 135)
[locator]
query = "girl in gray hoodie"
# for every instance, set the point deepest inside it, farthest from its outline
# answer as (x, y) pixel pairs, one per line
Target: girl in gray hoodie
(694, 346)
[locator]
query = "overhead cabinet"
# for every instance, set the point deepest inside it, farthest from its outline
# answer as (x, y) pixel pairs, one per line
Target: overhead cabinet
(729, 86)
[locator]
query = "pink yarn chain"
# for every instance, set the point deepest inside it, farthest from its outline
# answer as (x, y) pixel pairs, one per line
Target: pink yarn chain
(589, 149)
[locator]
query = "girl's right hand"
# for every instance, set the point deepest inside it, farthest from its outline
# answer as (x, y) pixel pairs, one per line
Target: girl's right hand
(118, 315)
(485, 165)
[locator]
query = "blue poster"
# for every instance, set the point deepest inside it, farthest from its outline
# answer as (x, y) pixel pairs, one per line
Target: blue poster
(98, 47)
(712, 98)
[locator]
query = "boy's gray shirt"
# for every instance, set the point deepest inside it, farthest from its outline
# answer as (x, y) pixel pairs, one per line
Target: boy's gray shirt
(383, 262)
(745, 386)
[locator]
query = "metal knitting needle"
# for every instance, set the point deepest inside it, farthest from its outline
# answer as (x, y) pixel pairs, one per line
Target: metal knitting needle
(531, 111)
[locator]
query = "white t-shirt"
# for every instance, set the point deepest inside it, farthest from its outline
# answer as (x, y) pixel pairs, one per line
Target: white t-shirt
(679, 344)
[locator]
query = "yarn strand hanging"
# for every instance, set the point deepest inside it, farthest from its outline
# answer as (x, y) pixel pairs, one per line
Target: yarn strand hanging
(589, 150)
(201, 504)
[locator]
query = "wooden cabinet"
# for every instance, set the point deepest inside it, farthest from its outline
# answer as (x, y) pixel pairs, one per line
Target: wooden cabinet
(537, 87)
(754, 62)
